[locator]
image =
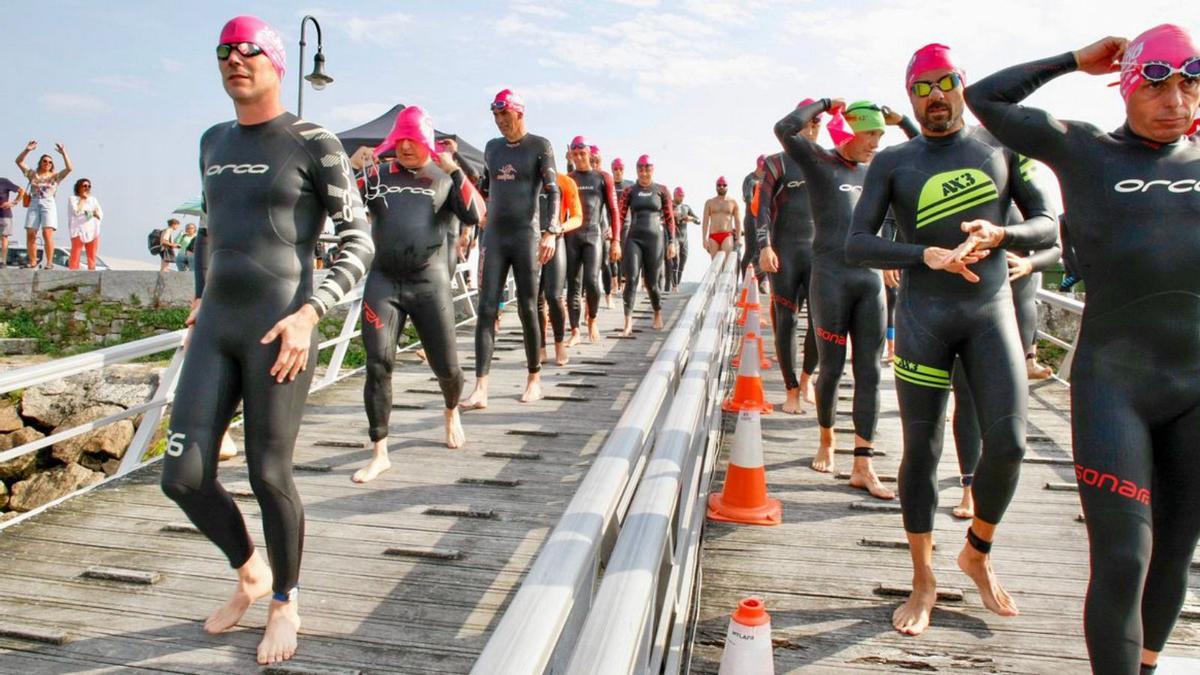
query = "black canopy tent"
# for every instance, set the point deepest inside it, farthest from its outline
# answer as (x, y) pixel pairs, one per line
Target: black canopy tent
(372, 134)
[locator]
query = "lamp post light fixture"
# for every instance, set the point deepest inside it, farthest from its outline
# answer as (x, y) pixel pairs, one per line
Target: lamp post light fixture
(318, 77)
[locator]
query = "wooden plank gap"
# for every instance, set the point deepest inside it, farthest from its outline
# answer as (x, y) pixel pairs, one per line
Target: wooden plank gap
(569, 399)
(460, 512)
(1051, 461)
(490, 482)
(313, 467)
(903, 591)
(875, 507)
(845, 475)
(1062, 487)
(325, 443)
(539, 433)
(850, 451)
(501, 454)
(179, 528)
(886, 543)
(431, 553)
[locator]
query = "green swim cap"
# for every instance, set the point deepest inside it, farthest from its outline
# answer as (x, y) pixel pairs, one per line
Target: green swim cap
(864, 116)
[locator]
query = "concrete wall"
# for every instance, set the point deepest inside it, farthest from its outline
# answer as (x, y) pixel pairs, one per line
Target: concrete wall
(25, 288)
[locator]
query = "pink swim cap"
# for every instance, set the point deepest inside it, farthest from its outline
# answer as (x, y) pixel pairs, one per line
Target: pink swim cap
(721, 181)
(411, 124)
(1166, 43)
(618, 164)
(932, 56)
(838, 128)
(580, 143)
(678, 192)
(507, 99)
(255, 30)
(644, 160)
(594, 149)
(760, 162)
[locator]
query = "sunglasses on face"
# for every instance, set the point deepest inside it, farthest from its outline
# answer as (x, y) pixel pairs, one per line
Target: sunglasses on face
(947, 83)
(500, 106)
(1159, 71)
(247, 49)
(85, 185)
(580, 147)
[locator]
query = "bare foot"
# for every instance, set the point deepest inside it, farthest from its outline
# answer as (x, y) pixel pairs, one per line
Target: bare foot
(966, 508)
(628, 329)
(455, 436)
(574, 339)
(478, 400)
(378, 464)
(542, 355)
(978, 566)
(279, 637)
(593, 331)
(912, 618)
(561, 357)
(229, 449)
(533, 390)
(421, 355)
(608, 302)
(792, 405)
(254, 583)
(806, 389)
(863, 477)
(658, 322)
(1037, 371)
(823, 460)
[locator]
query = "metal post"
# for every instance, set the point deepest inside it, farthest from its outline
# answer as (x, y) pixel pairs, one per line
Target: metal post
(300, 69)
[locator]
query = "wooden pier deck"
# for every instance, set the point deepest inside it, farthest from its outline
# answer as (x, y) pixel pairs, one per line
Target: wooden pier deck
(405, 575)
(820, 572)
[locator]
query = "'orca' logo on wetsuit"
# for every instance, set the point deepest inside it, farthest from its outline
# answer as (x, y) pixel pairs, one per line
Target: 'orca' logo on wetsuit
(401, 189)
(799, 183)
(1099, 480)
(218, 169)
(1178, 187)
(846, 187)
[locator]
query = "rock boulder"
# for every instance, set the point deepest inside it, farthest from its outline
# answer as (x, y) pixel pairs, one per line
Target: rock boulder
(44, 488)
(10, 421)
(23, 466)
(111, 439)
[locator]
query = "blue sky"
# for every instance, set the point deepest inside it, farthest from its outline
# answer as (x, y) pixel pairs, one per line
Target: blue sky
(129, 86)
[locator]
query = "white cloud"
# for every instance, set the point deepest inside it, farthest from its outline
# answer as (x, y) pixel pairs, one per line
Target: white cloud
(121, 82)
(170, 65)
(382, 29)
(525, 7)
(65, 102)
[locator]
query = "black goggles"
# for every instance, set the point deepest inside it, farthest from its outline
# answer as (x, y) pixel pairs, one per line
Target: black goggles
(246, 49)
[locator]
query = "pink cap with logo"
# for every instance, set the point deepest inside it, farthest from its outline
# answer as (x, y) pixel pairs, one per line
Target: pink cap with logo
(932, 56)
(678, 192)
(644, 160)
(580, 143)
(618, 164)
(594, 149)
(507, 99)
(1165, 43)
(411, 124)
(255, 30)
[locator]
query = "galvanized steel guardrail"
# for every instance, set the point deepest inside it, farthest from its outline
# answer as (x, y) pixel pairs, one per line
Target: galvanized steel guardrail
(630, 503)
(153, 410)
(1070, 304)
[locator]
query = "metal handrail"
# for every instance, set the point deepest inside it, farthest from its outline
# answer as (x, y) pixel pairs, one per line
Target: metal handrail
(153, 410)
(539, 628)
(646, 593)
(1073, 306)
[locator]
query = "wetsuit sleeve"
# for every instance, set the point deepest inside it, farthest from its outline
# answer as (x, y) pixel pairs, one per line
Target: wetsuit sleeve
(910, 128)
(572, 218)
(200, 248)
(549, 186)
(1045, 259)
(766, 202)
(1040, 228)
(464, 201)
(610, 205)
(802, 151)
(863, 245)
(330, 171)
(1029, 131)
(668, 211)
(623, 204)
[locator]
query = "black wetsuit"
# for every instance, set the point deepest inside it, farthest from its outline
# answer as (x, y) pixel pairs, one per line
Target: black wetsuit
(785, 224)
(683, 215)
(651, 212)
(846, 301)
(610, 270)
(1134, 208)
(932, 185)
(412, 212)
(523, 203)
(586, 245)
(748, 234)
(267, 190)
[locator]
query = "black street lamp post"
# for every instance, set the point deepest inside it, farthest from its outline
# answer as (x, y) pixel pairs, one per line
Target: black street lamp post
(317, 77)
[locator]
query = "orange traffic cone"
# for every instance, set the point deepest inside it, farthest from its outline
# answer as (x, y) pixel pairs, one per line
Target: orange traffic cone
(744, 498)
(748, 641)
(753, 325)
(748, 388)
(752, 301)
(741, 302)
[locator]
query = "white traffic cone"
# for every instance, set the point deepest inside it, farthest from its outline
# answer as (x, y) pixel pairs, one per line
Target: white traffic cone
(748, 641)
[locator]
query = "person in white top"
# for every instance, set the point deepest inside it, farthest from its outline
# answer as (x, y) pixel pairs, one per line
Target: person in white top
(42, 214)
(83, 223)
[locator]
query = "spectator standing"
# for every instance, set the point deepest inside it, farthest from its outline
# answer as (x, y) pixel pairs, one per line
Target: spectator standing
(170, 244)
(43, 213)
(183, 257)
(83, 223)
(7, 187)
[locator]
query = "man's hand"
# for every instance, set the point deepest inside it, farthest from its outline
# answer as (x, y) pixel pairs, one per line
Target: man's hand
(982, 234)
(890, 116)
(768, 261)
(362, 157)
(837, 104)
(547, 247)
(614, 251)
(190, 321)
(6, 205)
(464, 245)
(671, 249)
(891, 278)
(1102, 56)
(1017, 266)
(295, 333)
(956, 261)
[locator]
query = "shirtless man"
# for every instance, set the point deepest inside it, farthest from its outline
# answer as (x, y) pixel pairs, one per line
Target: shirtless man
(722, 224)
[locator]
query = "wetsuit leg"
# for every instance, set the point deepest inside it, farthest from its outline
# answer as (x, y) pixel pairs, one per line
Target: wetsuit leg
(681, 254)
(891, 312)
(867, 326)
(652, 261)
(966, 426)
(591, 275)
(631, 267)
(429, 304)
(1025, 299)
(550, 287)
(831, 308)
(787, 296)
(381, 325)
(494, 264)
(606, 268)
(574, 244)
(922, 368)
(994, 366)
(526, 270)
(210, 388)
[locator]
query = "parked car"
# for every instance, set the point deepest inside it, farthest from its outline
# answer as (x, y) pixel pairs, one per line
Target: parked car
(17, 257)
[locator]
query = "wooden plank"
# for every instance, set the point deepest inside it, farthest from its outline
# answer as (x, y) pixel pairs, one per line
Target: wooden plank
(120, 575)
(30, 633)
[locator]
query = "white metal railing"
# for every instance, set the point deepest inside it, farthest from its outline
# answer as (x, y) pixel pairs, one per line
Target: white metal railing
(153, 410)
(1070, 304)
(542, 625)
